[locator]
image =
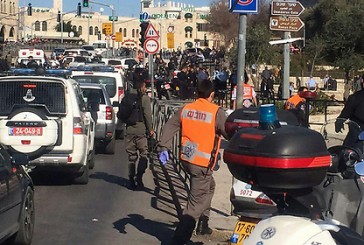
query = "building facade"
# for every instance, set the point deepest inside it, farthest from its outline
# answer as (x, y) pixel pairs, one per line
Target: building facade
(179, 25)
(9, 16)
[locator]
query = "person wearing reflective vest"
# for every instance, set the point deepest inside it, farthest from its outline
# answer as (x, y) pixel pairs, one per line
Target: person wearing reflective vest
(296, 105)
(201, 124)
(249, 96)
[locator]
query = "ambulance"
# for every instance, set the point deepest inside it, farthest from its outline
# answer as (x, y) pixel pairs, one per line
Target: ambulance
(38, 56)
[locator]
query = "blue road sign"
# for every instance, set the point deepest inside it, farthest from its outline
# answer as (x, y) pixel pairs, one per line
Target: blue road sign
(243, 6)
(144, 16)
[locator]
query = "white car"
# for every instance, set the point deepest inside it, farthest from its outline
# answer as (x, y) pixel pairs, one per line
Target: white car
(114, 84)
(47, 119)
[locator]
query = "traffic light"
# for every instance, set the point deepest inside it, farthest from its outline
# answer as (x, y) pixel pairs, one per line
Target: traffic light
(143, 28)
(59, 16)
(85, 3)
(79, 9)
(29, 10)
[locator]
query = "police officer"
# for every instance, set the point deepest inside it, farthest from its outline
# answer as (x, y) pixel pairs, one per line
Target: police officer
(198, 156)
(353, 110)
(136, 138)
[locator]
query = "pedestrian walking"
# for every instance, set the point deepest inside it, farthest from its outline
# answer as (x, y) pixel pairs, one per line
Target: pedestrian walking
(136, 139)
(199, 157)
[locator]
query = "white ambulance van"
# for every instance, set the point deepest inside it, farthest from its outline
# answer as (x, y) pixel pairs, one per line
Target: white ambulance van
(38, 56)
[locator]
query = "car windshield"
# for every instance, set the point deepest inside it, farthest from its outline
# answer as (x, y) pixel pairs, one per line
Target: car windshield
(114, 62)
(130, 62)
(88, 48)
(26, 93)
(109, 82)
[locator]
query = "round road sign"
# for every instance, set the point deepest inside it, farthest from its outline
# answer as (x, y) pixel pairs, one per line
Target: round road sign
(151, 46)
(112, 37)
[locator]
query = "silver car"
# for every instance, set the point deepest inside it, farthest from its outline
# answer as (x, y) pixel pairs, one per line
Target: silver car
(99, 104)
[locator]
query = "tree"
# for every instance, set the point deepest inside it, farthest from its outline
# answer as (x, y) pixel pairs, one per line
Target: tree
(67, 27)
(314, 50)
(223, 22)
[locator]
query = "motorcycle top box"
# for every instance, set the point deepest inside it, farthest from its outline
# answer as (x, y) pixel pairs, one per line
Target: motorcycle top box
(283, 158)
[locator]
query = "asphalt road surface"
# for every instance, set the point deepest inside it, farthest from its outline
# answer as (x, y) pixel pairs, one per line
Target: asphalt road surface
(103, 212)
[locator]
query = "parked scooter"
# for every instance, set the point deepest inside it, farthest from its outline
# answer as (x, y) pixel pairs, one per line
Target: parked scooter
(292, 166)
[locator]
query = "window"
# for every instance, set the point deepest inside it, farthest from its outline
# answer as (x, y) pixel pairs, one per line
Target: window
(44, 26)
(202, 27)
(80, 30)
(1, 7)
(96, 30)
(4, 8)
(14, 8)
(124, 32)
(10, 8)
(133, 33)
(120, 30)
(91, 30)
(37, 26)
(137, 32)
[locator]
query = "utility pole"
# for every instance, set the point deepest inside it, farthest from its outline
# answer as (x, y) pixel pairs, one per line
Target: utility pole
(113, 29)
(241, 60)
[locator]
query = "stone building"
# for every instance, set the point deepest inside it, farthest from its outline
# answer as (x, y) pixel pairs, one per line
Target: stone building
(186, 23)
(9, 16)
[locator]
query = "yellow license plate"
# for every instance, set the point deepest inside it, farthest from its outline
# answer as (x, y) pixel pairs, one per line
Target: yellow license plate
(242, 231)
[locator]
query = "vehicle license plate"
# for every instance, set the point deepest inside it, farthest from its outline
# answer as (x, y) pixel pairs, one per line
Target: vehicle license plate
(167, 86)
(242, 231)
(27, 131)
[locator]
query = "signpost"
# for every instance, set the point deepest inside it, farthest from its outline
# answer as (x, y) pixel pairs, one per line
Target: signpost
(287, 8)
(170, 40)
(115, 18)
(143, 16)
(151, 32)
(151, 46)
(118, 36)
(243, 6)
(279, 23)
(285, 18)
(107, 28)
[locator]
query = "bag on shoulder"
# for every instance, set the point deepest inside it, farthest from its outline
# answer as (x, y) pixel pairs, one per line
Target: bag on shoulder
(130, 111)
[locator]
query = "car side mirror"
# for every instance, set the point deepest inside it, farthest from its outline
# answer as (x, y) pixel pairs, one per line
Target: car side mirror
(115, 104)
(20, 159)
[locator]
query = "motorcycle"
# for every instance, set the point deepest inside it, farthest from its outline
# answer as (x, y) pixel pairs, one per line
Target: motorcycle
(163, 86)
(317, 203)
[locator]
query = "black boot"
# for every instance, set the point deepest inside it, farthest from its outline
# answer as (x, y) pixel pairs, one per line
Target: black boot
(203, 226)
(184, 230)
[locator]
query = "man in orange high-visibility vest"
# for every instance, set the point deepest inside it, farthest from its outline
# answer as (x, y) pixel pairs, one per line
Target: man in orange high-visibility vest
(199, 155)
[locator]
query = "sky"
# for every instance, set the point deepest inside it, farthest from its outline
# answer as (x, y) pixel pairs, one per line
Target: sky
(129, 8)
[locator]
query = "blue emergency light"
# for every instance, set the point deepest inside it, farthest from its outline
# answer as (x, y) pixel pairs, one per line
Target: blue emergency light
(268, 117)
(99, 68)
(40, 72)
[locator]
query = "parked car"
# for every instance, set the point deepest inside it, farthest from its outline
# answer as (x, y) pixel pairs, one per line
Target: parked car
(17, 214)
(90, 49)
(46, 118)
(76, 52)
(98, 100)
(114, 84)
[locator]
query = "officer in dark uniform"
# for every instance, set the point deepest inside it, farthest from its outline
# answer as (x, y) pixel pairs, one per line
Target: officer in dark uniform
(353, 110)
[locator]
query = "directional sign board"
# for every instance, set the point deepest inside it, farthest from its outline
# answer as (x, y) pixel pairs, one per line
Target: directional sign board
(243, 6)
(279, 23)
(151, 32)
(151, 46)
(287, 8)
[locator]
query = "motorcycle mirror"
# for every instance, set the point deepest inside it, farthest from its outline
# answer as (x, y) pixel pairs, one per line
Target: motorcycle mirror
(359, 168)
(361, 136)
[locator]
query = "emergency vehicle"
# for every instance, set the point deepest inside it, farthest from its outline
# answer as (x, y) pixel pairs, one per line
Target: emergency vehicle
(38, 56)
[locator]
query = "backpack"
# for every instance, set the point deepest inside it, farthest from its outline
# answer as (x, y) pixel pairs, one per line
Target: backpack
(130, 109)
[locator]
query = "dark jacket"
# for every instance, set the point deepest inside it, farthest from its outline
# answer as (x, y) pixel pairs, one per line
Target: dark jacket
(354, 108)
(140, 128)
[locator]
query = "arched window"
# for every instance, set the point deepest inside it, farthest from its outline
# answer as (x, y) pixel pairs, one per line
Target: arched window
(14, 8)
(120, 30)
(188, 31)
(37, 26)
(44, 26)
(11, 33)
(74, 29)
(91, 31)
(137, 32)
(96, 30)
(4, 8)
(124, 32)
(10, 9)
(1, 5)
(133, 33)
(79, 30)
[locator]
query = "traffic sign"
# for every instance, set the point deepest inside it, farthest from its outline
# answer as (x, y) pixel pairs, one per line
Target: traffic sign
(170, 40)
(119, 36)
(144, 16)
(151, 32)
(243, 6)
(279, 23)
(107, 28)
(112, 37)
(116, 18)
(287, 8)
(151, 46)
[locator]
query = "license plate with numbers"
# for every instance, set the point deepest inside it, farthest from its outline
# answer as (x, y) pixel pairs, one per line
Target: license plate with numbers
(242, 231)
